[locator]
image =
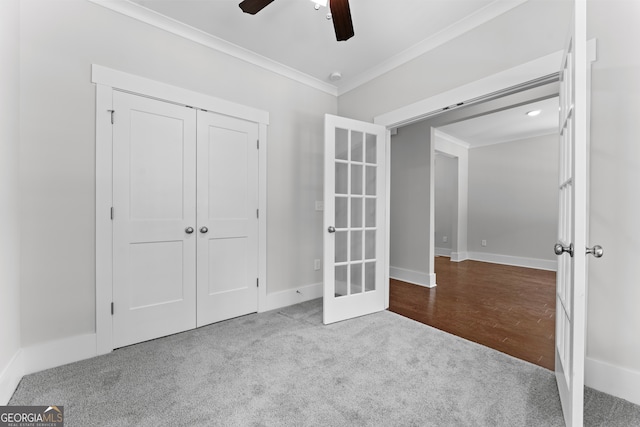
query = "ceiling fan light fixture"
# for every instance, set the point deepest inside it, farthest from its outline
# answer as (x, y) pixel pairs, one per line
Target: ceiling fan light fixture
(319, 3)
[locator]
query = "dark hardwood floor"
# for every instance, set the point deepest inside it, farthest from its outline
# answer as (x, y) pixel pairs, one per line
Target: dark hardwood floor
(510, 309)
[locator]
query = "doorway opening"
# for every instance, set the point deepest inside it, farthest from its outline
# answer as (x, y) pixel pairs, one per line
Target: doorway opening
(492, 224)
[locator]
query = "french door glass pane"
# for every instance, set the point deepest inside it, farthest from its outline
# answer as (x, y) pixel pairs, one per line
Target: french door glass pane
(342, 144)
(371, 180)
(371, 148)
(370, 212)
(356, 179)
(356, 245)
(356, 212)
(341, 212)
(370, 276)
(356, 146)
(356, 278)
(341, 281)
(341, 246)
(342, 178)
(370, 244)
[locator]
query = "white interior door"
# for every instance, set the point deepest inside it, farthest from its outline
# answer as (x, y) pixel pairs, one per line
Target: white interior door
(154, 243)
(354, 218)
(571, 274)
(227, 232)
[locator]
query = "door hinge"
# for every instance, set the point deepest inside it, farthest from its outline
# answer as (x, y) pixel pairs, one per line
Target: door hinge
(257, 213)
(257, 282)
(258, 144)
(111, 213)
(112, 309)
(112, 115)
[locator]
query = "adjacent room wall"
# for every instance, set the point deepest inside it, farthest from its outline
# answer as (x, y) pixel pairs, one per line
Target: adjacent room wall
(459, 151)
(411, 153)
(9, 218)
(59, 42)
(446, 201)
(513, 200)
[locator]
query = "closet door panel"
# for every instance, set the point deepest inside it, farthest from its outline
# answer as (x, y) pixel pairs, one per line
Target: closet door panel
(154, 258)
(227, 174)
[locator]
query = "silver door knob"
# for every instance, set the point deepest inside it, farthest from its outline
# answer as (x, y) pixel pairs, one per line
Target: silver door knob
(331, 229)
(188, 230)
(596, 251)
(559, 249)
(203, 230)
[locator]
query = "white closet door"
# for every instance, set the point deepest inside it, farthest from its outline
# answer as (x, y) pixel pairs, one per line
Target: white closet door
(154, 259)
(227, 217)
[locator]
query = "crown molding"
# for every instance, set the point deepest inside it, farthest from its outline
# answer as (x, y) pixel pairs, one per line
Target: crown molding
(452, 139)
(148, 16)
(468, 23)
(141, 13)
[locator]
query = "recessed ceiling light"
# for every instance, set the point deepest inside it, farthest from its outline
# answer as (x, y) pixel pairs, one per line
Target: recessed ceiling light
(533, 113)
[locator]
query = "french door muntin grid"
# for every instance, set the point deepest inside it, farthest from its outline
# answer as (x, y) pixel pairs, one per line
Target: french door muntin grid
(355, 212)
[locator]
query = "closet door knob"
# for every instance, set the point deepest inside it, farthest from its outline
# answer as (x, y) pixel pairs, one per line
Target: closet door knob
(203, 230)
(188, 230)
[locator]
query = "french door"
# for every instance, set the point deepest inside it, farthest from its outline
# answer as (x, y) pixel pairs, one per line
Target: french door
(185, 249)
(354, 218)
(571, 273)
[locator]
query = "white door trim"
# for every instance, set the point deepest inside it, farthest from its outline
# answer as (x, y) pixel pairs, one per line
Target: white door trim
(417, 111)
(107, 80)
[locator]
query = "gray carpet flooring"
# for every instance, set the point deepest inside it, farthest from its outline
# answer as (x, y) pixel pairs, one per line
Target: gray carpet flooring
(284, 368)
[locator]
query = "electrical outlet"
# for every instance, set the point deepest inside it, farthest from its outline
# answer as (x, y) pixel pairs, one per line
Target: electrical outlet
(483, 243)
(445, 239)
(319, 205)
(316, 264)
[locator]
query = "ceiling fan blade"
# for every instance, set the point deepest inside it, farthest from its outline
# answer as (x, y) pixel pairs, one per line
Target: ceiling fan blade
(254, 6)
(341, 15)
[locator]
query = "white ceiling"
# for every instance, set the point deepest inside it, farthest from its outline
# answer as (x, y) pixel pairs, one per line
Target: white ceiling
(508, 125)
(293, 34)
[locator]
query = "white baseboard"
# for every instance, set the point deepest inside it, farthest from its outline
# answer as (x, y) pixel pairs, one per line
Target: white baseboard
(289, 297)
(39, 357)
(414, 277)
(57, 353)
(540, 264)
(442, 252)
(10, 377)
(614, 380)
(459, 256)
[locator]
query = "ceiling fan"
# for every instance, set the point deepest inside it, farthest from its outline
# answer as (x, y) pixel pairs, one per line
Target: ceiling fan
(340, 14)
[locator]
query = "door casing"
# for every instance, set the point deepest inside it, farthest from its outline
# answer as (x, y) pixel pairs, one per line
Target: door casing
(107, 80)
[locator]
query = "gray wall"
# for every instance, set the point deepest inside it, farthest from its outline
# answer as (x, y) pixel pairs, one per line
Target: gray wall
(613, 318)
(9, 219)
(410, 198)
(513, 198)
(59, 42)
(446, 192)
